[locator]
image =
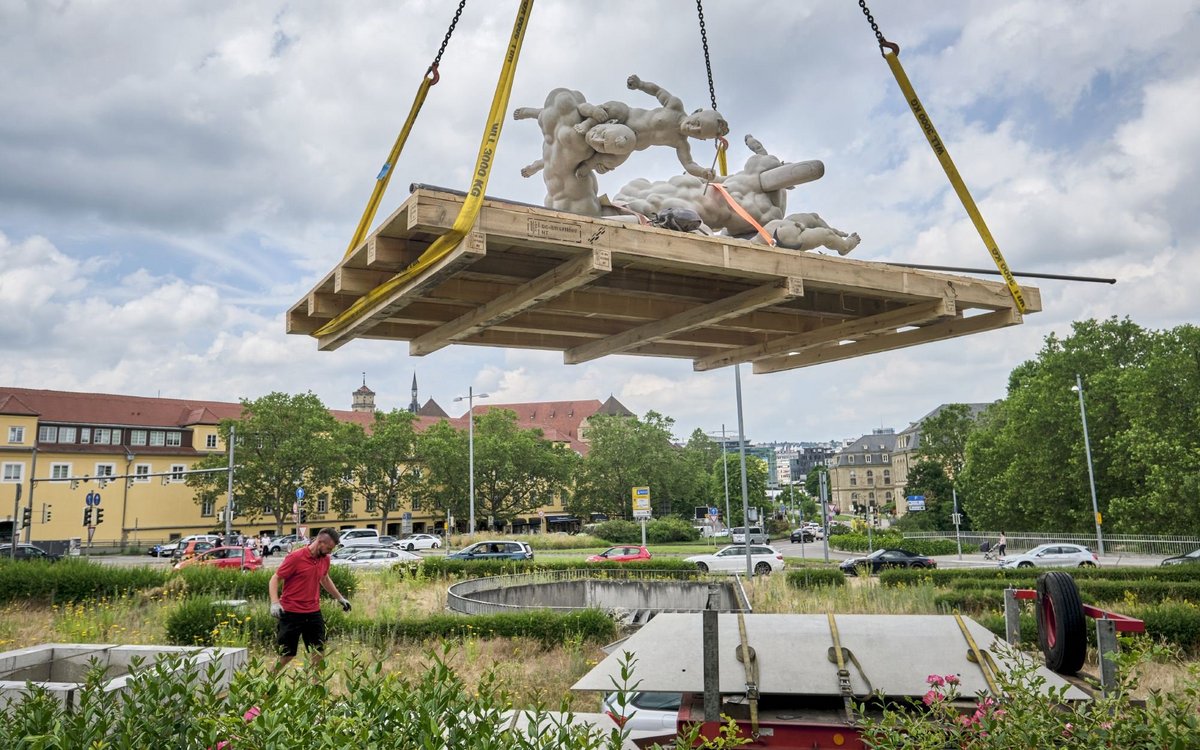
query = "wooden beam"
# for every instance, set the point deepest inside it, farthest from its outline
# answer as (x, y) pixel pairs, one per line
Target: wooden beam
(564, 278)
(947, 329)
(698, 317)
(357, 281)
(392, 253)
(888, 321)
(327, 306)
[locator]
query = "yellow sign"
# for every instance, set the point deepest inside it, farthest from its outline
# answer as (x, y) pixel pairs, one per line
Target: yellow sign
(1099, 519)
(641, 502)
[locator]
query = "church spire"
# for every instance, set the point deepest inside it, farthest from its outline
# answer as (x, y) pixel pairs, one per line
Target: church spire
(414, 405)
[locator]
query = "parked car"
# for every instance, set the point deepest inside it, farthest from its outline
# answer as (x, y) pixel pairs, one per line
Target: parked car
(621, 554)
(651, 712)
(1191, 557)
(887, 558)
(359, 537)
(193, 548)
(283, 544)
(374, 557)
(419, 541)
(1053, 555)
(502, 550)
(26, 552)
(166, 549)
(803, 534)
(238, 558)
(757, 535)
(732, 559)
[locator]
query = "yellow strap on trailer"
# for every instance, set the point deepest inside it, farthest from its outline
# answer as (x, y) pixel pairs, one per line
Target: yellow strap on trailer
(474, 200)
(939, 148)
(389, 166)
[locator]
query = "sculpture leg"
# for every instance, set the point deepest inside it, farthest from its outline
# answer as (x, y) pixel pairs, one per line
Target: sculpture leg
(532, 169)
(526, 113)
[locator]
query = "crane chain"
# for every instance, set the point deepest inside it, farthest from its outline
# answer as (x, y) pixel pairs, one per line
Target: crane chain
(871, 20)
(446, 40)
(712, 92)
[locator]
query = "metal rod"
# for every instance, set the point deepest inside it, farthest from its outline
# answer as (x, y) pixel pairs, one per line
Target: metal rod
(737, 379)
(1087, 445)
(994, 272)
(229, 488)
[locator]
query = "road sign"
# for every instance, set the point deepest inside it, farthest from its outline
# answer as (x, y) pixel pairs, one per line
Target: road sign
(299, 493)
(916, 502)
(956, 519)
(641, 502)
(714, 512)
(92, 498)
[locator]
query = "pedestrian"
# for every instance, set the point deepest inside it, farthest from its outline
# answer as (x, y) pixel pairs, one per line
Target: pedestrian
(304, 573)
(1001, 544)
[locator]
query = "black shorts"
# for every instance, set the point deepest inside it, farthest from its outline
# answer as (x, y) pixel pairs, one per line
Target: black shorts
(293, 625)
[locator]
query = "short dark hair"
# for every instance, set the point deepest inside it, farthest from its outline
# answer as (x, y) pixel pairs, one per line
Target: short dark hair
(334, 537)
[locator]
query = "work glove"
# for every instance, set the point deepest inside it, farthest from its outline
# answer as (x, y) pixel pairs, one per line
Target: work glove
(345, 604)
(276, 610)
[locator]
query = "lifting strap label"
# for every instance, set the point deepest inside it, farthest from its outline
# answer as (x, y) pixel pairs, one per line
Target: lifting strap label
(956, 181)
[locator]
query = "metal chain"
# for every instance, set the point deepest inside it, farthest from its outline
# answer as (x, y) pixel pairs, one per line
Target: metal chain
(457, 14)
(871, 20)
(712, 92)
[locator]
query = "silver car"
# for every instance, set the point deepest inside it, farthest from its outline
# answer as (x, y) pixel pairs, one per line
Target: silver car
(1054, 555)
(374, 557)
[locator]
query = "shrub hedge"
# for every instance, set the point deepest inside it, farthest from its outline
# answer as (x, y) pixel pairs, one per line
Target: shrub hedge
(861, 543)
(200, 621)
(940, 577)
(445, 568)
(658, 531)
(72, 580)
(251, 584)
(811, 577)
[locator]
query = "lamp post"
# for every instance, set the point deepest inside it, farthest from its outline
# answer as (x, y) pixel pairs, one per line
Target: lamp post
(725, 468)
(737, 379)
(1087, 446)
(470, 398)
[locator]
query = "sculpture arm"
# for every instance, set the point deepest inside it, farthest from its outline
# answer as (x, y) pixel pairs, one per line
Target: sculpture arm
(755, 145)
(689, 164)
(665, 98)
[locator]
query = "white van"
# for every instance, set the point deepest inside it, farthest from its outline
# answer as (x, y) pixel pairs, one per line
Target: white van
(757, 535)
(359, 537)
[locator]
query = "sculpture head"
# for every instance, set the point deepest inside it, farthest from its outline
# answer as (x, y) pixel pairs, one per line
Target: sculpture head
(612, 138)
(704, 124)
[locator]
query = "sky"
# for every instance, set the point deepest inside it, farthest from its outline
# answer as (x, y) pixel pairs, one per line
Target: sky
(175, 175)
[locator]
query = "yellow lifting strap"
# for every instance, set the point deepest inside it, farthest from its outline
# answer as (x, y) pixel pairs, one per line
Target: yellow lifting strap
(982, 658)
(749, 659)
(474, 200)
(956, 181)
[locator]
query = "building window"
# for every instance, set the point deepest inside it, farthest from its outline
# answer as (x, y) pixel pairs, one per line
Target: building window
(174, 439)
(141, 473)
(323, 503)
(853, 478)
(106, 470)
(888, 496)
(177, 472)
(885, 458)
(850, 459)
(60, 471)
(210, 441)
(85, 435)
(416, 502)
(103, 436)
(158, 438)
(208, 507)
(14, 472)
(16, 434)
(47, 433)
(370, 503)
(137, 437)
(854, 497)
(870, 477)
(887, 477)
(867, 459)
(66, 434)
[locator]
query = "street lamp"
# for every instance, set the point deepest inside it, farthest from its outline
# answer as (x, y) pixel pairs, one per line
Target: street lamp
(470, 398)
(1087, 445)
(725, 468)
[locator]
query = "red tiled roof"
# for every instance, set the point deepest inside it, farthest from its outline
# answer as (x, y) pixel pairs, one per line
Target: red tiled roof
(559, 421)
(10, 404)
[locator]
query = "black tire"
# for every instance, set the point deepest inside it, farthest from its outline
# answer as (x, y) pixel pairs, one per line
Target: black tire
(918, 565)
(1087, 565)
(411, 547)
(1025, 564)
(1062, 633)
(702, 567)
(436, 545)
(762, 569)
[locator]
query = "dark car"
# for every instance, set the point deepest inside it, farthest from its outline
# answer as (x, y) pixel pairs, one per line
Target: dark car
(887, 558)
(803, 535)
(1191, 557)
(26, 552)
(500, 550)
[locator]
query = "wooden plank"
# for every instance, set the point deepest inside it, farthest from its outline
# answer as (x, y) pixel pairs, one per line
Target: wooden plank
(473, 247)
(705, 315)
(357, 281)
(327, 306)
(888, 321)
(391, 253)
(937, 332)
(568, 276)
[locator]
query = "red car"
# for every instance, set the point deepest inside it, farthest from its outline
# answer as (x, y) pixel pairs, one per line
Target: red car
(224, 557)
(621, 554)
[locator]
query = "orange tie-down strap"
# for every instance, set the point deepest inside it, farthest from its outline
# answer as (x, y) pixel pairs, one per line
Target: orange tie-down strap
(737, 209)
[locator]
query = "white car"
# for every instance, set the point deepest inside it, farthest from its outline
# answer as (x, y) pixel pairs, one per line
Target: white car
(732, 559)
(418, 541)
(375, 557)
(644, 712)
(1053, 555)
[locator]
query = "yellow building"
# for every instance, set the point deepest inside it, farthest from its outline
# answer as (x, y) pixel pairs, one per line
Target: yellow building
(58, 447)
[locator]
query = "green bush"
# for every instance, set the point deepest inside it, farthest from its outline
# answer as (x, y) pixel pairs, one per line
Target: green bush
(560, 540)
(441, 567)
(1175, 622)
(861, 543)
(72, 580)
(658, 530)
(812, 577)
(230, 583)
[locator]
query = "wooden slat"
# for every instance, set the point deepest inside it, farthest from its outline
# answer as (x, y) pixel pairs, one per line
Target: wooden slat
(549, 285)
(357, 281)
(712, 313)
(888, 321)
(938, 331)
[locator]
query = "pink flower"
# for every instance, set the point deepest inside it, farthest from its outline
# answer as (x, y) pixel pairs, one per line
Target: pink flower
(935, 679)
(932, 697)
(952, 679)
(1068, 729)
(1106, 725)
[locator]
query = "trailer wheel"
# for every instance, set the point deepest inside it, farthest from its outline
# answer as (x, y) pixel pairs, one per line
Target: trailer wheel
(1061, 630)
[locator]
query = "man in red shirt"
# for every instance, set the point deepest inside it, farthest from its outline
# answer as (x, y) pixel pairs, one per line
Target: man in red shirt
(304, 573)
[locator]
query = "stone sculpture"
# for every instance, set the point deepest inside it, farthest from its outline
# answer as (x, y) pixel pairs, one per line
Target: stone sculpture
(563, 150)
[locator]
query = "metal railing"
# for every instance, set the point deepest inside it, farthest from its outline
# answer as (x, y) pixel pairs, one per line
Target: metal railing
(1115, 544)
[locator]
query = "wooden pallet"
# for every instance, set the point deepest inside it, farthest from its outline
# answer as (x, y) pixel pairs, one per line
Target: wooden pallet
(528, 277)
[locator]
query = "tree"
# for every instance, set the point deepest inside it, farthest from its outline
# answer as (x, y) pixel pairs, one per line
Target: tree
(284, 442)
(756, 484)
(944, 437)
(812, 482)
(928, 478)
(517, 470)
(382, 466)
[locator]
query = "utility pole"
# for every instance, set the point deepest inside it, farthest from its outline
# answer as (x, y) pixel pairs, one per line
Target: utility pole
(229, 488)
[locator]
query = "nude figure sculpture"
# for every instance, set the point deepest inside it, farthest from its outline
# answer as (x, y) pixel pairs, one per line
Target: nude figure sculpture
(563, 150)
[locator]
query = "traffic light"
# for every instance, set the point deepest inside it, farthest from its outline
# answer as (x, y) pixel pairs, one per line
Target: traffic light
(303, 516)
(99, 516)
(46, 512)
(26, 518)
(87, 516)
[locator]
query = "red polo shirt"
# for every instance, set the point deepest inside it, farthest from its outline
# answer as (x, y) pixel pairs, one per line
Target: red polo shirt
(301, 574)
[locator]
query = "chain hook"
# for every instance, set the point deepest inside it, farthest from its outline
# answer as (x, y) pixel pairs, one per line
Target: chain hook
(433, 71)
